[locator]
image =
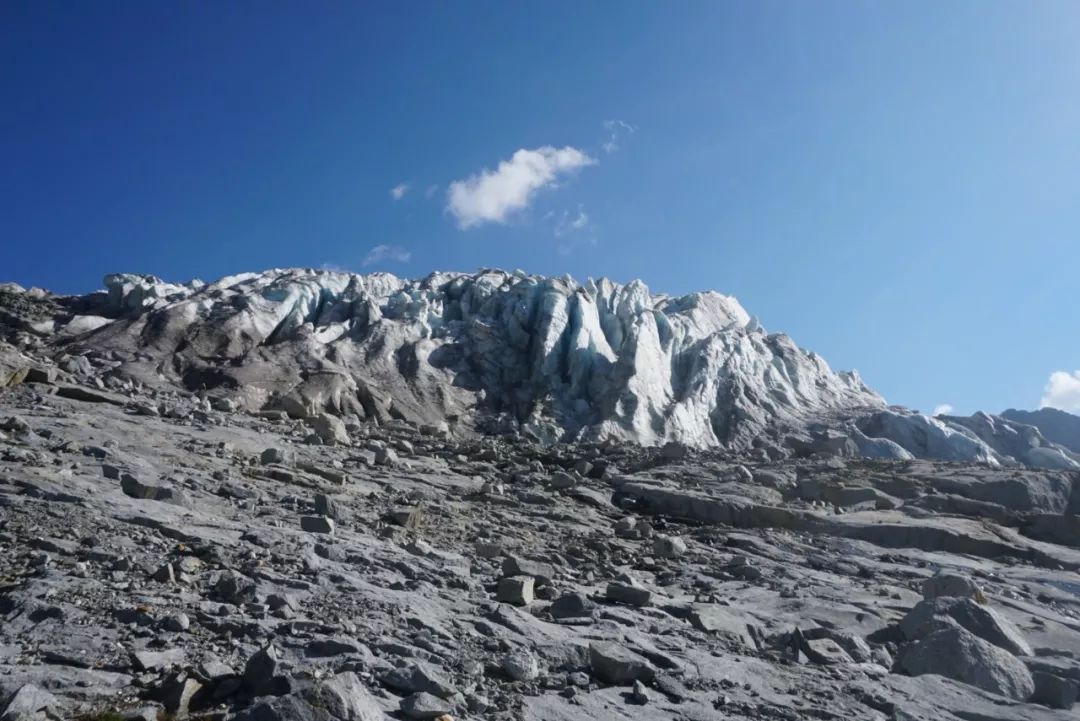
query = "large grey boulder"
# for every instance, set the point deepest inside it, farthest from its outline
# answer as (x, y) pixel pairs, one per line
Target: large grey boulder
(30, 703)
(960, 655)
(418, 678)
(950, 584)
(931, 614)
(341, 698)
(330, 429)
(612, 663)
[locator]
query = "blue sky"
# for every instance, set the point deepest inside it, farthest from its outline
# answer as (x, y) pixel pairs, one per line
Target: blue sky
(896, 185)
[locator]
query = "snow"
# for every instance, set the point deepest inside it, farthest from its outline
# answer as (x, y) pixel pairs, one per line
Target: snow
(567, 360)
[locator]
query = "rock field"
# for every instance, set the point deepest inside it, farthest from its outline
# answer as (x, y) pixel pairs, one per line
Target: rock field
(163, 559)
(301, 495)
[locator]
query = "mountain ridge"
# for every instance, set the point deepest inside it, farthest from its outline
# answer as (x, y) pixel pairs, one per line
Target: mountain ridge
(494, 352)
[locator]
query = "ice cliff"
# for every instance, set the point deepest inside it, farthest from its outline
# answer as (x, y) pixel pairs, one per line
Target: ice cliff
(496, 351)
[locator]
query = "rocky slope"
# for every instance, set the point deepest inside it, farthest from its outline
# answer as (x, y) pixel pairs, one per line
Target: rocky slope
(1056, 426)
(163, 559)
(551, 358)
(269, 499)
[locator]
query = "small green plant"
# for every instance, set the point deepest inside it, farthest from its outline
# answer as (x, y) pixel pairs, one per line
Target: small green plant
(105, 716)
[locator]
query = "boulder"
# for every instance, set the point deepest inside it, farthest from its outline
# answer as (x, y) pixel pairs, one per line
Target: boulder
(571, 605)
(330, 429)
(931, 614)
(30, 703)
(612, 663)
(962, 656)
(950, 584)
(517, 590)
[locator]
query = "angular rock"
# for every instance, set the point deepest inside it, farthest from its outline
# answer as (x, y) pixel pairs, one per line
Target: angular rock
(417, 678)
(30, 703)
(132, 487)
(424, 706)
(317, 524)
(520, 665)
(571, 605)
(951, 584)
(612, 663)
(632, 594)
(960, 655)
(669, 547)
(330, 429)
(275, 456)
(1054, 691)
(927, 616)
(517, 590)
(714, 618)
(542, 572)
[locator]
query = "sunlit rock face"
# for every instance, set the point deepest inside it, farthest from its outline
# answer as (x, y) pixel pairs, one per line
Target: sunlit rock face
(553, 357)
(500, 352)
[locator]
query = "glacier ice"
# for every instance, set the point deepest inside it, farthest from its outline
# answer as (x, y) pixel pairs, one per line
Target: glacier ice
(502, 351)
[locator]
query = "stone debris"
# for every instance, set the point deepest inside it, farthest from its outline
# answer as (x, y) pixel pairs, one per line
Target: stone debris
(213, 561)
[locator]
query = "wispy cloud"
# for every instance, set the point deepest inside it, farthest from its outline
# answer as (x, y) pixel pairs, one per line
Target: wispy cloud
(569, 223)
(943, 410)
(431, 190)
(1062, 392)
(492, 196)
(384, 253)
(616, 131)
(399, 190)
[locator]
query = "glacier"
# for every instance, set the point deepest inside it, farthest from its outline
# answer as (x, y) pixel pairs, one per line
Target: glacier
(553, 359)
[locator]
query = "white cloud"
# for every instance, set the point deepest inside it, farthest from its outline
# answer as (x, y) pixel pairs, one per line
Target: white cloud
(1062, 391)
(943, 410)
(399, 190)
(492, 196)
(616, 129)
(381, 253)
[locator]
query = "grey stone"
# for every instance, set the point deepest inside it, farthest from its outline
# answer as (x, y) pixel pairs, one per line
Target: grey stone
(177, 694)
(612, 663)
(418, 677)
(424, 706)
(980, 620)
(517, 590)
(327, 647)
(158, 660)
(344, 697)
(520, 665)
(317, 524)
(1054, 691)
(561, 480)
(960, 655)
(386, 457)
(275, 455)
(950, 584)
(132, 487)
(30, 703)
(330, 429)
(515, 566)
(669, 547)
(176, 622)
(629, 593)
(571, 605)
(409, 517)
(714, 618)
